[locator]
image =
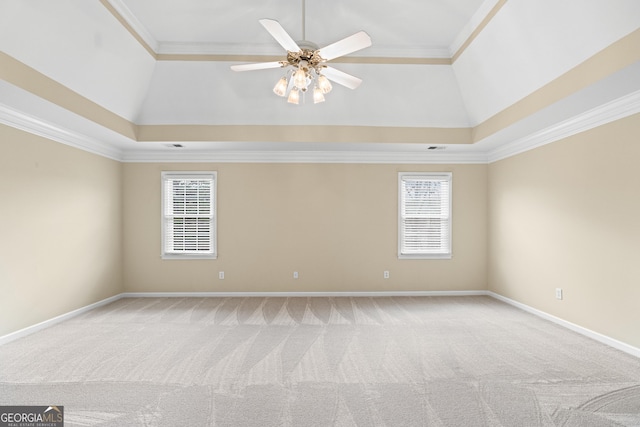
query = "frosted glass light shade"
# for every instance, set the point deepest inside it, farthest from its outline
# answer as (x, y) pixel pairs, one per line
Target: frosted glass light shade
(281, 87)
(324, 84)
(294, 96)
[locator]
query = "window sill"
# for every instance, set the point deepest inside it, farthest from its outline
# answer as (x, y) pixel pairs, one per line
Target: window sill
(189, 256)
(424, 256)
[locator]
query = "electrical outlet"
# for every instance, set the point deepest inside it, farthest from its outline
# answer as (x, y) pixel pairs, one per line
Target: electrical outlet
(295, 274)
(558, 293)
(221, 275)
(386, 274)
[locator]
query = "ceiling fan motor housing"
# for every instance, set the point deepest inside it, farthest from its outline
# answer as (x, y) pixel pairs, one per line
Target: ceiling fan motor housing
(312, 57)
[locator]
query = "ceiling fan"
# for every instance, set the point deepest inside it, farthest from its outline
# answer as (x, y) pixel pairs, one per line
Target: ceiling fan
(305, 62)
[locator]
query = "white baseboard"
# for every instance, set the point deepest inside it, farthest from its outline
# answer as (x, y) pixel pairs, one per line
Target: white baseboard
(634, 351)
(47, 323)
(611, 342)
(301, 294)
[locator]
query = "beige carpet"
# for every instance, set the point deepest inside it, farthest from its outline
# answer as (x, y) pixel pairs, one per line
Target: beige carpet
(405, 361)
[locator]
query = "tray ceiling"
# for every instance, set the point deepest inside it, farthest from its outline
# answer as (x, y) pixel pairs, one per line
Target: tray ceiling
(137, 76)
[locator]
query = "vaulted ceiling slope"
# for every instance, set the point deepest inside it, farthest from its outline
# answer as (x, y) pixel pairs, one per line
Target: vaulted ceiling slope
(480, 78)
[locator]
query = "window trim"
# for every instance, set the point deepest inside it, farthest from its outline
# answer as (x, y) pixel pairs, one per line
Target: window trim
(443, 255)
(213, 175)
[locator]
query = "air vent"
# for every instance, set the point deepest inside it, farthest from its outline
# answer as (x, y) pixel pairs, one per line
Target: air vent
(436, 147)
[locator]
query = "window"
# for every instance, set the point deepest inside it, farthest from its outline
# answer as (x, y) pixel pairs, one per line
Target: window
(424, 217)
(188, 215)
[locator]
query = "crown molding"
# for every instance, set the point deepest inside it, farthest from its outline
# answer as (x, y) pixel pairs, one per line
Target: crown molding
(424, 52)
(209, 50)
(278, 156)
(614, 110)
(27, 123)
(606, 113)
(476, 24)
(135, 24)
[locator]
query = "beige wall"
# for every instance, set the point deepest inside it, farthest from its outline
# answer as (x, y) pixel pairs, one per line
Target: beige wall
(336, 224)
(568, 215)
(60, 222)
(563, 215)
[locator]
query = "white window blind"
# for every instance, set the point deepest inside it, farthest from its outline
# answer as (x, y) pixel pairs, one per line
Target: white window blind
(424, 215)
(189, 223)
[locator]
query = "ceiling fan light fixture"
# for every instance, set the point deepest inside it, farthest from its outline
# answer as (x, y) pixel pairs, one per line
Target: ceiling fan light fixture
(324, 84)
(294, 96)
(280, 88)
(318, 96)
(306, 62)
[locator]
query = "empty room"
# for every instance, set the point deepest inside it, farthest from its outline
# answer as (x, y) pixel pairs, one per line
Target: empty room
(320, 213)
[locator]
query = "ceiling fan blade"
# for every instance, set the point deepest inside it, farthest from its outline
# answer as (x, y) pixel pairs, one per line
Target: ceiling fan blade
(345, 46)
(281, 36)
(341, 77)
(256, 66)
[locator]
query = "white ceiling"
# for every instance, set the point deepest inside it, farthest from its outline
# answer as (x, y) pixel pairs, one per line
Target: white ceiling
(434, 64)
